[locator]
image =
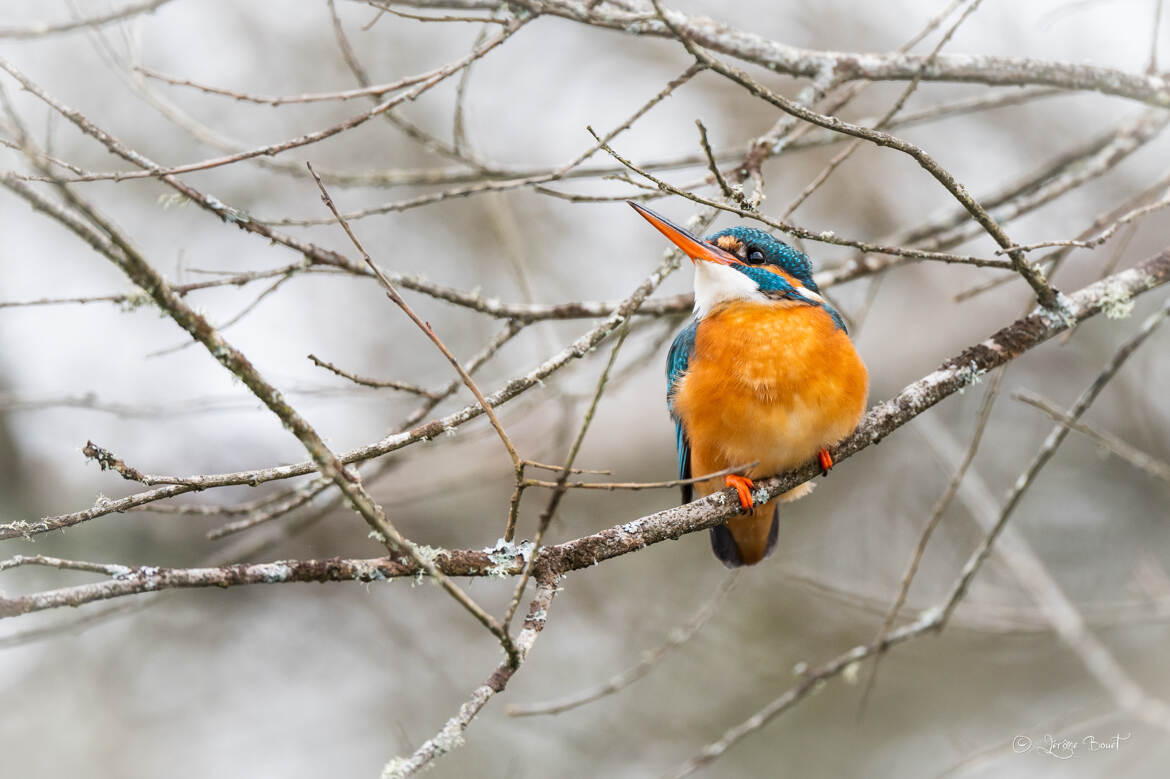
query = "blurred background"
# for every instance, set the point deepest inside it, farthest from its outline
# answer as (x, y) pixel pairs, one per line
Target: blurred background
(294, 680)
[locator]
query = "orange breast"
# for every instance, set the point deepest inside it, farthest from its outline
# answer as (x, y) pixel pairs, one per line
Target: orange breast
(768, 382)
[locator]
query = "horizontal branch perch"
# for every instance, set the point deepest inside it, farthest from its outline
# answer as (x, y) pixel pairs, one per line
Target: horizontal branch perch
(673, 523)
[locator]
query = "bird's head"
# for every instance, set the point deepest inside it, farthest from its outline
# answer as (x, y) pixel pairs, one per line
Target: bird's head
(740, 263)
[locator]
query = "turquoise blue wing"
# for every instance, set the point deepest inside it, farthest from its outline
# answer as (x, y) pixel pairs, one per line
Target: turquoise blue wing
(677, 361)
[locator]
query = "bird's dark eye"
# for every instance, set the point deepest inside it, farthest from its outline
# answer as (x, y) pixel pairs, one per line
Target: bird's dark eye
(755, 256)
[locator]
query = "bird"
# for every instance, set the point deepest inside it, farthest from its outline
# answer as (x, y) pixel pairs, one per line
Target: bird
(763, 373)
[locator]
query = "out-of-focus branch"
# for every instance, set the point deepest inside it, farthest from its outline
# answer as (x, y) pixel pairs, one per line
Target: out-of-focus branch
(377, 90)
(42, 29)
(425, 83)
(1054, 259)
(649, 661)
(504, 185)
(1103, 236)
(810, 680)
(1051, 443)
(1159, 469)
(936, 514)
(808, 63)
(1052, 603)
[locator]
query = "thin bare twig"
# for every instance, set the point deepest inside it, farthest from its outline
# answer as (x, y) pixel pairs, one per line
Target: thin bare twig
(429, 331)
(377, 383)
(713, 166)
(636, 485)
(1104, 235)
(1102, 221)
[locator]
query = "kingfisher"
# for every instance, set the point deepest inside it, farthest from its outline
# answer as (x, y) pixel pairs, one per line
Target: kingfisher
(763, 373)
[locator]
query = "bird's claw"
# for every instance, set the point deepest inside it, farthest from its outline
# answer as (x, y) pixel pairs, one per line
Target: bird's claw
(743, 487)
(826, 461)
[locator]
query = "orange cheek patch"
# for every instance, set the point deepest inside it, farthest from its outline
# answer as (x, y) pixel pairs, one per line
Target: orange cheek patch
(729, 243)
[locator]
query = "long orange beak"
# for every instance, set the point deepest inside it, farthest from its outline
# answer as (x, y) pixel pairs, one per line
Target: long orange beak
(693, 247)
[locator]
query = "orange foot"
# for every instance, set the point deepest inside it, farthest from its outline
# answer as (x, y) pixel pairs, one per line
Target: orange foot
(826, 461)
(743, 486)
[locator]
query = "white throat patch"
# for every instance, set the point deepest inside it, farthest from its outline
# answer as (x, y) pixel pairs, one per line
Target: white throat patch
(716, 284)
